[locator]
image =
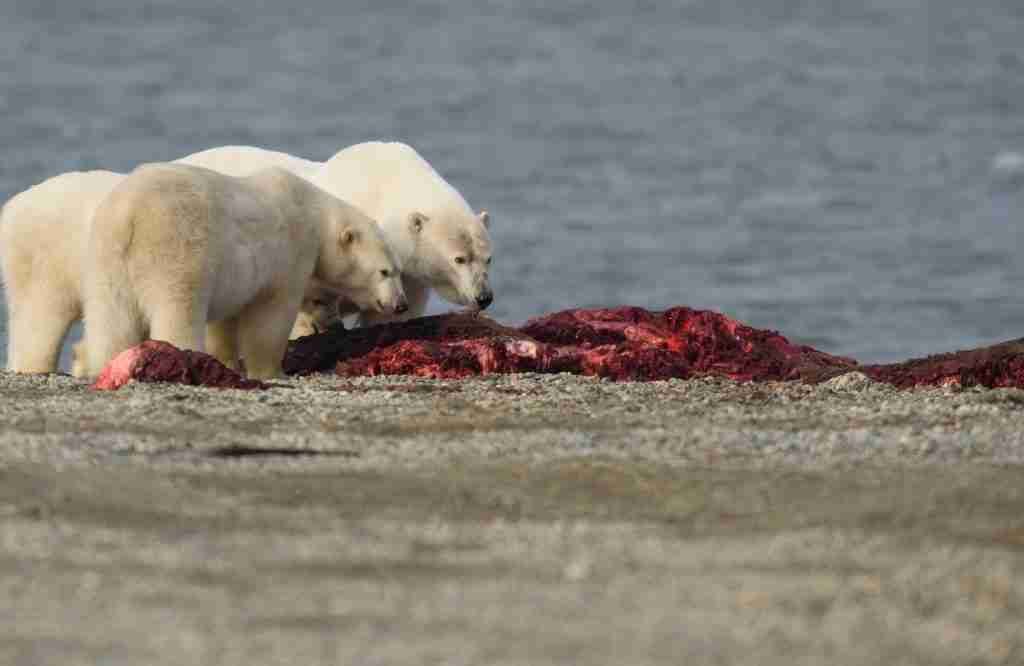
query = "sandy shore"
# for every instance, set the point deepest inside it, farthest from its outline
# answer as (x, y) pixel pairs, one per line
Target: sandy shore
(510, 520)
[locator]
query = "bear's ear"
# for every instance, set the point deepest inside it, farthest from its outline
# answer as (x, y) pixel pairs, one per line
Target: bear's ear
(485, 218)
(347, 237)
(416, 221)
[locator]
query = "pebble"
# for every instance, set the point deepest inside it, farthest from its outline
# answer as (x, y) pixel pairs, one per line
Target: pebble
(413, 421)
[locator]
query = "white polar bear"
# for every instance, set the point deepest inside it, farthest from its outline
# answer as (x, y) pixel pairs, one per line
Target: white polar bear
(43, 232)
(173, 247)
(440, 242)
(42, 239)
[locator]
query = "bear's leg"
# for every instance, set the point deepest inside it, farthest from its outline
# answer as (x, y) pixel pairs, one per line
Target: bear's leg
(263, 334)
(37, 327)
(179, 321)
(222, 341)
(78, 359)
(113, 323)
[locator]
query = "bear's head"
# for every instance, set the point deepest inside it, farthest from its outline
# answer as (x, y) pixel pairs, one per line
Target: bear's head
(318, 313)
(357, 264)
(453, 255)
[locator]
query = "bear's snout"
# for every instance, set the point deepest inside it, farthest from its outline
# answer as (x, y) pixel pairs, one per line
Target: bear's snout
(400, 306)
(485, 299)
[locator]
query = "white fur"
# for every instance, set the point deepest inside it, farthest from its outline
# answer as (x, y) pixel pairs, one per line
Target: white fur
(173, 247)
(426, 221)
(43, 233)
(240, 161)
(42, 239)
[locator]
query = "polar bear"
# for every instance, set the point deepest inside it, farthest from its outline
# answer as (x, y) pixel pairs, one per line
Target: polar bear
(242, 161)
(441, 243)
(173, 247)
(42, 238)
(43, 232)
(320, 311)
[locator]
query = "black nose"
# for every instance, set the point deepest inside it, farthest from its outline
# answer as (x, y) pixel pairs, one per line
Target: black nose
(483, 300)
(401, 307)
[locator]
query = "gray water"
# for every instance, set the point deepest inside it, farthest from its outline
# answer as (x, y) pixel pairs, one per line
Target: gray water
(849, 173)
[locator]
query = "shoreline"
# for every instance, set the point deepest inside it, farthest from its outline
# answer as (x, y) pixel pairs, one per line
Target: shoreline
(849, 417)
(393, 518)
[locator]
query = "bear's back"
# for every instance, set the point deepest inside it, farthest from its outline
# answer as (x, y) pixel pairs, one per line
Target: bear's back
(158, 208)
(388, 180)
(54, 216)
(241, 161)
(62, 199)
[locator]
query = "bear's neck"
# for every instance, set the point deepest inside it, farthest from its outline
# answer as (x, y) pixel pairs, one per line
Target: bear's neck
(329, 235)
(404, 248)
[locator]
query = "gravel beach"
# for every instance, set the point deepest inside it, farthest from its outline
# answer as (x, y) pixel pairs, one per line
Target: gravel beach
(524, 519)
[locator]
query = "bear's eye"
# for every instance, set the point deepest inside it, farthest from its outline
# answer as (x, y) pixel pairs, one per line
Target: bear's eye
(488, 262)
(318, 303)
(460, 260)
(385, 272)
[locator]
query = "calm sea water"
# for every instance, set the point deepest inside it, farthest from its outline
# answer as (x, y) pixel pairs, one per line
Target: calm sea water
(850, 173)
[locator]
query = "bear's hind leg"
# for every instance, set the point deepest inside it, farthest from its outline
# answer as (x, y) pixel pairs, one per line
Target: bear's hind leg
(36, 330)
(113, 323)
(181, 322)
(78, 359)
(222, 341)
